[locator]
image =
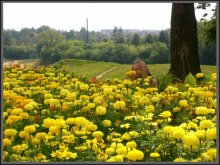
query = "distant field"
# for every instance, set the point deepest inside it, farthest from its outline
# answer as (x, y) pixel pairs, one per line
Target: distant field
(93, 68)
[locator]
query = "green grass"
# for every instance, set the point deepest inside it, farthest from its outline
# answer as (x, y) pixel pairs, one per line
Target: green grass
(91, 69)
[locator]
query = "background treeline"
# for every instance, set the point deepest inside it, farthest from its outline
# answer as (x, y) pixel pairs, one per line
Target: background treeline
(52, 45)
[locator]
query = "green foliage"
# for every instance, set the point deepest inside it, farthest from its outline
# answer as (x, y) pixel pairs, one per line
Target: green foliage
(191, 80)
(163, 80)
(151, 38)
(158, 53)
(136, 39)
(118, 35)
(48, 43)
(20, 52)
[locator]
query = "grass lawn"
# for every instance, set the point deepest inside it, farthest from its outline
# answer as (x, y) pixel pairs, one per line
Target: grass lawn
(94, 68)
(91, 69)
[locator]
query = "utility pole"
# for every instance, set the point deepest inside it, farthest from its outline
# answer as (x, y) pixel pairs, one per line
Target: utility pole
(87, 34)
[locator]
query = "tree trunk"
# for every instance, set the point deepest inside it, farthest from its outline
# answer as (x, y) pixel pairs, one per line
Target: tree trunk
(184, 41)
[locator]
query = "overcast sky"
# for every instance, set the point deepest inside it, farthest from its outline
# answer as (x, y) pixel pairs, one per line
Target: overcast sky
(69, 16)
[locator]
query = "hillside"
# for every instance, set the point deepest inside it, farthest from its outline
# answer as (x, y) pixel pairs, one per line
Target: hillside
(107, 70)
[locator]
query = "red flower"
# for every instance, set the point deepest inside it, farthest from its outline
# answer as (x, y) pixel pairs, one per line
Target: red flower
(93, 80)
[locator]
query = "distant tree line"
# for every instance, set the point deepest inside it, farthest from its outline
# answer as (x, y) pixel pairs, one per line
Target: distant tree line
(52, 45)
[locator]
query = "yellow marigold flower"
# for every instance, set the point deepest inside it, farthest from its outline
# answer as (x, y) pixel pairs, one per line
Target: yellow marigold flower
(119, 158)
(111, 159)
(24, 115)
(191, 90)
(201, 110)
(98, 100)
(60, 123)
(212, 111)
(5, 114)
(97, 134)
(41, 135)
(71, 96)
(168, 129)
(131, 73)
(54, 129)
(40, 156)
(150, 108)
(109, 151)
(9, 121)
(199, 75)
(165, 114)
(213, 76)
(91, 105)
(34, 104)
(30, 129)
(47, 101)
(154, 155)
(10, 132)
(191, 139)
(107, 91)
(6, 142)
(135, 155)
(84, 87)
(205, 124)
(119, 105)
(121, 151)
(160, 121)
(127, 82)
(212, 152)
(54, 101)
(106, 123)
(183, 103)
(48, 122)
(134, 133)
(91, 127)
(16, 111)
(100, 110)
(113, 145)
(208, 94)
(81, 121)
(206, 157)
(192, 125)
(178, 132)
(211, 133)
(155, 99)
(23, 134)
(180, 160)
(126, 136)
(28, 107)
(127, 125)
(70, 121)
(131, 144)
(200, 133)
(16, 148)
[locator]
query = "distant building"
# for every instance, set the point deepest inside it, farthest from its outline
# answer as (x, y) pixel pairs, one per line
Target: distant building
(109, 32)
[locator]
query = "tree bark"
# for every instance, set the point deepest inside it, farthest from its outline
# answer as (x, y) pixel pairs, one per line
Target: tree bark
(184, 41)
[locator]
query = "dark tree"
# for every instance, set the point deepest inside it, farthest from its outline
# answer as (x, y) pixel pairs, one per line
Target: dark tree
(184, 41)
(136, 39)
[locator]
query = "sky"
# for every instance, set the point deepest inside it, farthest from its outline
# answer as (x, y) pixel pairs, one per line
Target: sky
(72, 16)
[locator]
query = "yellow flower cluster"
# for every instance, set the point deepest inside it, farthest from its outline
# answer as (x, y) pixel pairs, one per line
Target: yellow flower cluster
(51, 116)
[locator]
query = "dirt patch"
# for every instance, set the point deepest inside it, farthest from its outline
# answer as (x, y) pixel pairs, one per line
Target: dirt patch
(103, 73)
(15, 62)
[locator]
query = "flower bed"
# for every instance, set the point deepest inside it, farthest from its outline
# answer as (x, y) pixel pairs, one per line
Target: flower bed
(53, 116)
